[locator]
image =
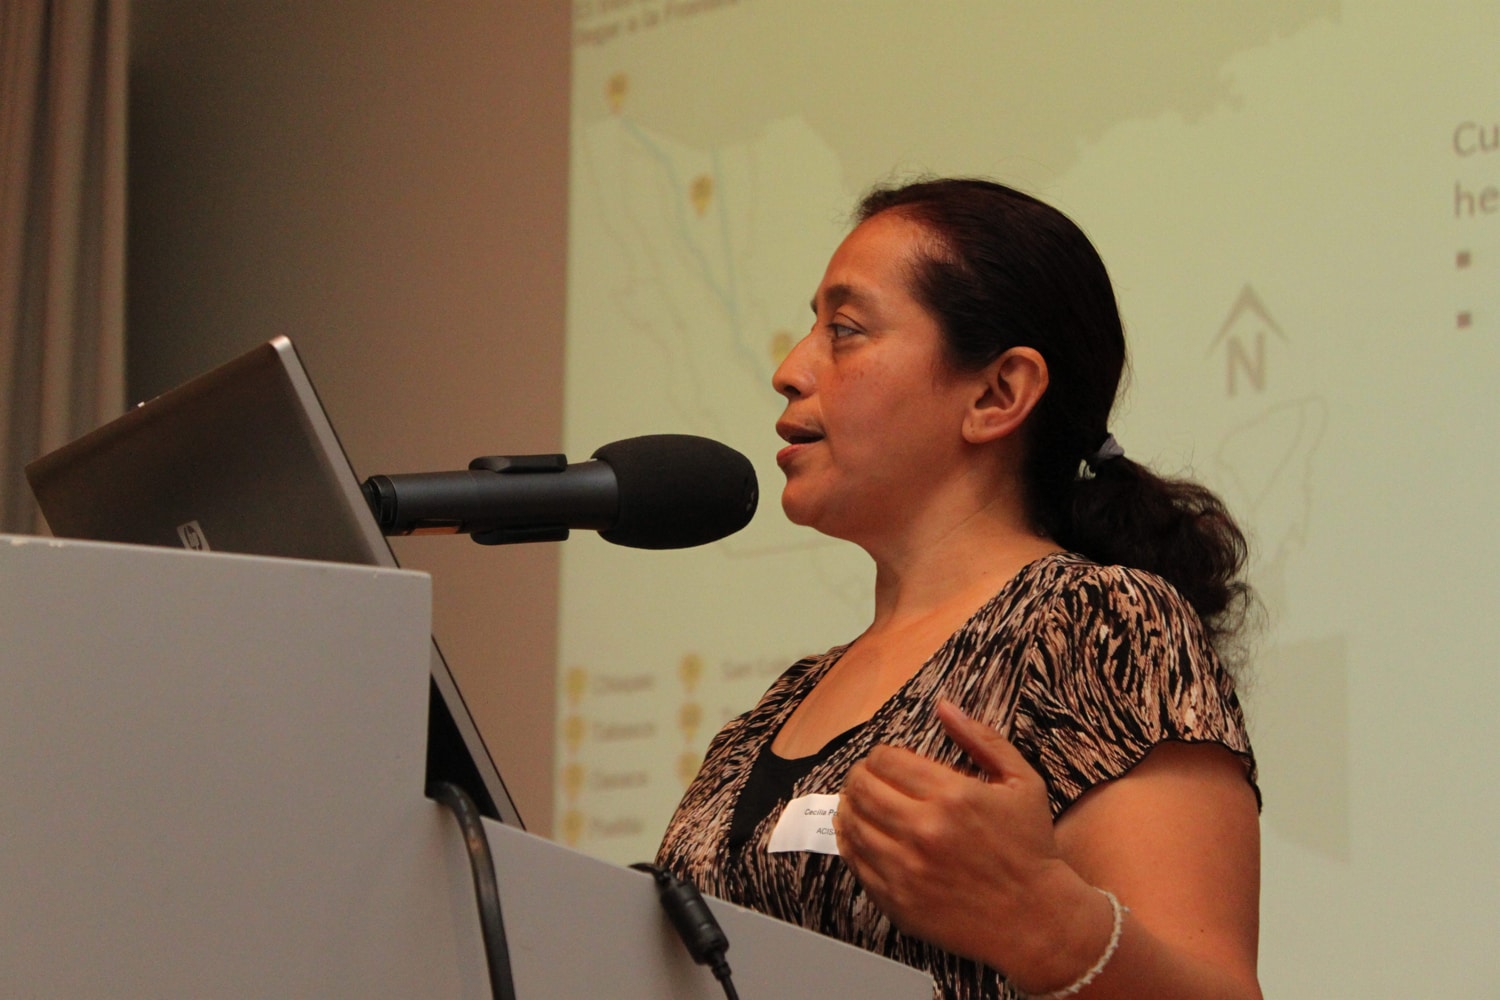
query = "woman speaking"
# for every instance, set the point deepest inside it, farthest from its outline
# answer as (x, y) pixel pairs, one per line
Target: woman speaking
(1029, 775)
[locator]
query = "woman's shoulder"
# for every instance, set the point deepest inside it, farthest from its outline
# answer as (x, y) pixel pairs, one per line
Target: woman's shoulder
(1120, 624)
(1078, 586)
(1120, 664)
(1059, 595)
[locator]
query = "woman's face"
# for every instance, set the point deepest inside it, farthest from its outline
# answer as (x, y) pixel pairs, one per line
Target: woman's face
(873, 421)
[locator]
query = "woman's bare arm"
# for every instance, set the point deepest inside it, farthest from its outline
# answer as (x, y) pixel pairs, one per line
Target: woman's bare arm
(978, 868)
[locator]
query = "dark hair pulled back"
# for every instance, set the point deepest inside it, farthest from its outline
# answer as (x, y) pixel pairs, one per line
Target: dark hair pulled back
(1004, 270)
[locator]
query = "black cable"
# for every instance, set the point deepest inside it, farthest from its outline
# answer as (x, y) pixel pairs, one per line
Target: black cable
(486, 887)
(695, 923)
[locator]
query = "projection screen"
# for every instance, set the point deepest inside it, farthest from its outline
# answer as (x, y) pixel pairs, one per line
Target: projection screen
(1299, 203)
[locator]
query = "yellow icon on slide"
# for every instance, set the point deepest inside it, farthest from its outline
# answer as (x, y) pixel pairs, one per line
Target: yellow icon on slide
(575, 683)
(687, 766)
(573, 733)
(572, 827)
(572, 781)
(689, 719)
(701, 193)
(615, 91)
(690, 670)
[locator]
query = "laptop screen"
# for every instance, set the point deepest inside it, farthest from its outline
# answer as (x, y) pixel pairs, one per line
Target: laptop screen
(244, 459)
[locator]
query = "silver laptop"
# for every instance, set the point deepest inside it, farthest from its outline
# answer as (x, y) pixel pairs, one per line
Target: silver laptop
(244, 459)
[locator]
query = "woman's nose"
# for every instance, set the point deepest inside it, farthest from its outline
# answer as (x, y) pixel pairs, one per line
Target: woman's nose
(793, 377)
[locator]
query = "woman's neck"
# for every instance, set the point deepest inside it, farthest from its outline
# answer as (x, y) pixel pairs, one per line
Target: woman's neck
(951, 570)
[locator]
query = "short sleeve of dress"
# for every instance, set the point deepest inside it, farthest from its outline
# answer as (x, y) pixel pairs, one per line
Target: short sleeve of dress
(1121, 664)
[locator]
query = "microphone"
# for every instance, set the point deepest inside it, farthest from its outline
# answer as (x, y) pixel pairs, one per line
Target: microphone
(661, 491)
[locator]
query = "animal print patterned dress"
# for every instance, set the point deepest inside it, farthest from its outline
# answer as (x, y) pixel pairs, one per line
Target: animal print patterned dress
(1084, 667)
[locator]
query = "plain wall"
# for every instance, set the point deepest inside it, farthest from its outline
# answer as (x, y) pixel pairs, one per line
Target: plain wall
(385, 183)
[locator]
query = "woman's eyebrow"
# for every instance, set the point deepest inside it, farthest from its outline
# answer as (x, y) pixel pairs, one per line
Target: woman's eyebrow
(835, 296)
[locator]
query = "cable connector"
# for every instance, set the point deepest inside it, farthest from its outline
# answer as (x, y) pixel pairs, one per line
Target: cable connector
(694, 922)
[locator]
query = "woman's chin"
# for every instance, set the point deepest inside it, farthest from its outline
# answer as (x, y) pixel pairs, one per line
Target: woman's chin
(801, 504)
(796, 512)
(806, 512)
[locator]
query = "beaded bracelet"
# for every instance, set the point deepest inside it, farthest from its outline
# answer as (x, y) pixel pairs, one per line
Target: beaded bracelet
(1109, 952)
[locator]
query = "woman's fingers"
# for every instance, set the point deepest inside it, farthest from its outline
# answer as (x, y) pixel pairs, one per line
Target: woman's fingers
(995, 755)
(902, 770)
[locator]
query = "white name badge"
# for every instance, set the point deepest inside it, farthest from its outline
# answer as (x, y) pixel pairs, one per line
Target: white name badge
(807, 825)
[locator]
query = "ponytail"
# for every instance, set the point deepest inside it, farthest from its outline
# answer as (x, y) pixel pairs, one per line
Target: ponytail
(1121, 512)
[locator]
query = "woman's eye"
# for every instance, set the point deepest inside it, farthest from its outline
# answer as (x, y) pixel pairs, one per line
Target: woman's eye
(841, 330)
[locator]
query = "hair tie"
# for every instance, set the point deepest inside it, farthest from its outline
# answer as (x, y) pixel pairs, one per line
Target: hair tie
(1110, 449)
(1106, 452)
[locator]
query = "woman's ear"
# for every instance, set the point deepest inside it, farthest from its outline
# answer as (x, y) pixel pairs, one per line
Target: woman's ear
(1011, 386)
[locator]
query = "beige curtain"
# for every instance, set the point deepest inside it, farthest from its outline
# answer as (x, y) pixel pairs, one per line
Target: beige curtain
(62, 231)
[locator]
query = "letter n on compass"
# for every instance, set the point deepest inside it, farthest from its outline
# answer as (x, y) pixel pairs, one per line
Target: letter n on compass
(1243, 337)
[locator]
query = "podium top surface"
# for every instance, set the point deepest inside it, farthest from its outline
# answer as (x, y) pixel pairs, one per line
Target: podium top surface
(29, 547)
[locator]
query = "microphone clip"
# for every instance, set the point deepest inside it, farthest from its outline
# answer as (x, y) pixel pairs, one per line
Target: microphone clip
(514, 465)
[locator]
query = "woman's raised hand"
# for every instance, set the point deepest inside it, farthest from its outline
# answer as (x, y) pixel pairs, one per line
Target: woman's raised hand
(969, 864)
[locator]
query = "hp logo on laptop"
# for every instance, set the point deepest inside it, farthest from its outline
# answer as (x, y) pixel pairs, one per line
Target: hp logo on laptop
(192, 536)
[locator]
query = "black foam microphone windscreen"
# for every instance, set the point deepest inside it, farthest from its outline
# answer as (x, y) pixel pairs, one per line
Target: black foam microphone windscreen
(678, 490)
